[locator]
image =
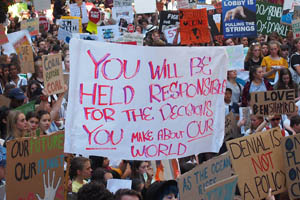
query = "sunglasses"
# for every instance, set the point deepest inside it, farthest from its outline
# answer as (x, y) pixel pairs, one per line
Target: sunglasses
(274, 119)
(255, 43)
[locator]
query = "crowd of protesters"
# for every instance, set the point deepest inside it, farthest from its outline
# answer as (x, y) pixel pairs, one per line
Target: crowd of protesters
(272, 63)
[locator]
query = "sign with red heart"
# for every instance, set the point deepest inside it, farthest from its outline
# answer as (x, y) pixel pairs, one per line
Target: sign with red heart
(94, 15)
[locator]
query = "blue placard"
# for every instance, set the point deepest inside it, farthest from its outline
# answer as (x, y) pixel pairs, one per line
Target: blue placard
(239, 18)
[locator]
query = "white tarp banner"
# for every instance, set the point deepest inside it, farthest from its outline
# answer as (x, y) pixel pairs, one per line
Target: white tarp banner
(145, 103)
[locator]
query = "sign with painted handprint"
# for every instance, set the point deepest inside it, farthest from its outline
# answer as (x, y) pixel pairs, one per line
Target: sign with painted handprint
(36, 166)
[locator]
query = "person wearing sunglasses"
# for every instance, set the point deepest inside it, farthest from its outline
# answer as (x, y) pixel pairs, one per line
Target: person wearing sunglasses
(272, 122)
(254, 56)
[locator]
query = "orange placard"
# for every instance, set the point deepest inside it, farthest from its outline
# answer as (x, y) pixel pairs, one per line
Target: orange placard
(193, 26)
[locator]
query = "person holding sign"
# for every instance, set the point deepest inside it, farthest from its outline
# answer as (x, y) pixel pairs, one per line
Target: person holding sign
(285, 81)
(257, 83)
(273, 63)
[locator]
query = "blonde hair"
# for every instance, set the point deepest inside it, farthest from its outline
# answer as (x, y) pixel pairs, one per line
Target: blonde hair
(12, 129)
(274, 42)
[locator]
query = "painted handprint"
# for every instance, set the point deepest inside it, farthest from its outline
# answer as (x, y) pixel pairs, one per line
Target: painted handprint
(50, 190)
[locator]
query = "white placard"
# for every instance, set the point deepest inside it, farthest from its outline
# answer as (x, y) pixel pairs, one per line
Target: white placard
(13, 38)
(134, 37)
(113, 185)
(108, 33)
(170, 35)
(179, 91)
(236, 57)
(75, 12)
(125, 13)
(40, 5)
(142, 6)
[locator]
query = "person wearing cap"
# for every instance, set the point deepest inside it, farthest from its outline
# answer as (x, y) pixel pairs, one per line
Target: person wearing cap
(17, 97)
(162, 190)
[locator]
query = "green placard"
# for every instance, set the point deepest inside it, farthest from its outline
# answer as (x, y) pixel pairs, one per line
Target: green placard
(268, 17)
(27, 107)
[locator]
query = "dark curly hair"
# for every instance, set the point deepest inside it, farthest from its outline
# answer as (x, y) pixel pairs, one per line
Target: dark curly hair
(94, 191)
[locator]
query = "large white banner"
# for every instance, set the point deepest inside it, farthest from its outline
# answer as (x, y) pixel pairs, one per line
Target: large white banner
(145, 103)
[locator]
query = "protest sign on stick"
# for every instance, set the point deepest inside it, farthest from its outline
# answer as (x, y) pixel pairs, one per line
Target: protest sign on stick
(183, 4)
(52, 74)
(36, 165)
(26, 58)
(268, 17)
(239, 20)
(291, 155)
(32, 25)
(231, 129)
(3, 36)
(122, 3)
(275, 102)
(125, 94)
(192, 185)
(223, 189)
(194, 26)
(67, 26)
(257, 160)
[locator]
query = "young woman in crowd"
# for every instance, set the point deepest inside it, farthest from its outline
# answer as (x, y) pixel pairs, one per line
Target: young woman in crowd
(15, 78)
(32, 87)
(33, 123)
(234, 86)
(254, 56)
(142, 171)
(264, 49)
(285, 82)
(255, 122)
(295, 62)
(16, 125)
(80, 170)
(257, 83)
(273, 63)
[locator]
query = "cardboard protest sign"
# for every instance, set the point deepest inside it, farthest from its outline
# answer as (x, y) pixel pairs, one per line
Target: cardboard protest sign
(53, 74)
(36, 165)
(67, 26)
(275, 102)
(122, 3)
(142, 6)
(183, 4)
(231, 129)
(223, 189)
(13, 38)
(125, 97)
(4, 101)
(214, 15)
(268, 17)
(192, 185)
(108, 33)
(288, 11)
(32, 25)
(26, 108)
(194, 26)
(26, 58)
(291, 155)
(236, 57)
(3, 36)
(296, 28)
(40, 5)
(257, 160)
(239, 18)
